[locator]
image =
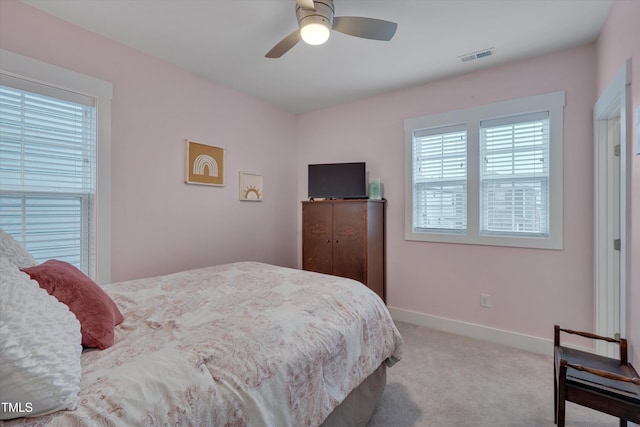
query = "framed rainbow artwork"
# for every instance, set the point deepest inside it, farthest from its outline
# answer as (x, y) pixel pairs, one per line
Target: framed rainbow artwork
(204, 164)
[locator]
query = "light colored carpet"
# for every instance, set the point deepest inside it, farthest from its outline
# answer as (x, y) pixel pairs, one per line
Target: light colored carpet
(446, 380)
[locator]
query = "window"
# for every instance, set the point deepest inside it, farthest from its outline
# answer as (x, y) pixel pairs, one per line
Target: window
(49, 137)
(514, 175)
(47, 172)
(488, 175)
(440, 179)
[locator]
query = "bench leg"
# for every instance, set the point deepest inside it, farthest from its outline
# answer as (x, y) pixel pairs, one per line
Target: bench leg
(555, 395)
(561, 396)
(560, 412)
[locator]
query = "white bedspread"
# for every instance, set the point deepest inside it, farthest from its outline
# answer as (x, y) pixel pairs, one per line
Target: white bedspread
(244, 344)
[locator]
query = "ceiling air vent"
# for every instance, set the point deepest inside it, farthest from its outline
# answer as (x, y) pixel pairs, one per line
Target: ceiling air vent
(476, 55)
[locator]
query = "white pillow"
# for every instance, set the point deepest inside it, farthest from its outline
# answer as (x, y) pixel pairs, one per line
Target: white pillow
(13, 250)
(40, 348)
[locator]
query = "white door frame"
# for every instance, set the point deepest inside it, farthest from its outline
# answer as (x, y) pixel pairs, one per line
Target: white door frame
(611, 118)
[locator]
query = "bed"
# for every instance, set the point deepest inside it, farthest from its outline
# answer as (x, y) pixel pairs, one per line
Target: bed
(240, 344)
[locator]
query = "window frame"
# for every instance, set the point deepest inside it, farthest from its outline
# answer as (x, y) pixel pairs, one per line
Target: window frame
(26, 68)
(554, 103)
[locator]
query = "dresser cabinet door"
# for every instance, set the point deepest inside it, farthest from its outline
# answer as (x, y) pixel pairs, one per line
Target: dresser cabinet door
(349, 240)
(317, 239)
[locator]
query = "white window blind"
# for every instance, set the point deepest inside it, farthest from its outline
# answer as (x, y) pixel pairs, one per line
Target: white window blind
(440, 179)
(514, 175)
(47, 171)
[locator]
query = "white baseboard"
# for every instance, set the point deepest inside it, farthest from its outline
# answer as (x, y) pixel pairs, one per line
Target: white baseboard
(498, 336)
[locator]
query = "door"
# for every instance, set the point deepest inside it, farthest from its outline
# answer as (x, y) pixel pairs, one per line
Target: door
(611, 122)
(349, 240)
(317, 252)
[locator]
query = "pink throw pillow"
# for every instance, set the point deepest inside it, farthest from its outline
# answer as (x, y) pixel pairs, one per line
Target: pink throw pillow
(96, 311)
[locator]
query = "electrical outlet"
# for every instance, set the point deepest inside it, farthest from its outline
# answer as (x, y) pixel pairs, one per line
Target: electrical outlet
(485, 300)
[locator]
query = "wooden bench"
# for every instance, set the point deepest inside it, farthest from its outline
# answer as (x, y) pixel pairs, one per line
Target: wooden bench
(601, 383)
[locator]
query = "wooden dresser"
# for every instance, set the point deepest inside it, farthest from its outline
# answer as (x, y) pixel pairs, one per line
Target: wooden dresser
(346, 238)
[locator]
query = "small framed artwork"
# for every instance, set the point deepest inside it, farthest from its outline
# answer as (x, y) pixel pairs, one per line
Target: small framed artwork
(250, 187)
(204, 164)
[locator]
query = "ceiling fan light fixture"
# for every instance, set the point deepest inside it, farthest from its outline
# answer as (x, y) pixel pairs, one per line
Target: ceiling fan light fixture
(316, 21)
(315, 32)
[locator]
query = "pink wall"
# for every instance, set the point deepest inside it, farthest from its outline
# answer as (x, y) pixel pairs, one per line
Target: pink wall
(160, 224)
(619, 41)
(530, 289)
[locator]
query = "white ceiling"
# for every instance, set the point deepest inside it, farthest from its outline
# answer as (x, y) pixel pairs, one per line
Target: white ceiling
(226, 40)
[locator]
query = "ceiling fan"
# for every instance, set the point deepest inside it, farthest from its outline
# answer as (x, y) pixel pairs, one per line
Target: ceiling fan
(316, 20)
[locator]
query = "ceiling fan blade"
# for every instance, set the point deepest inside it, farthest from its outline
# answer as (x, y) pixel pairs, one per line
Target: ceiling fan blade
(284, 45)
(367, 28)
(306, 4)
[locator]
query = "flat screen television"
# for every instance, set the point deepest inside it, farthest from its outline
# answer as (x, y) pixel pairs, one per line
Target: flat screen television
(338, 181)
